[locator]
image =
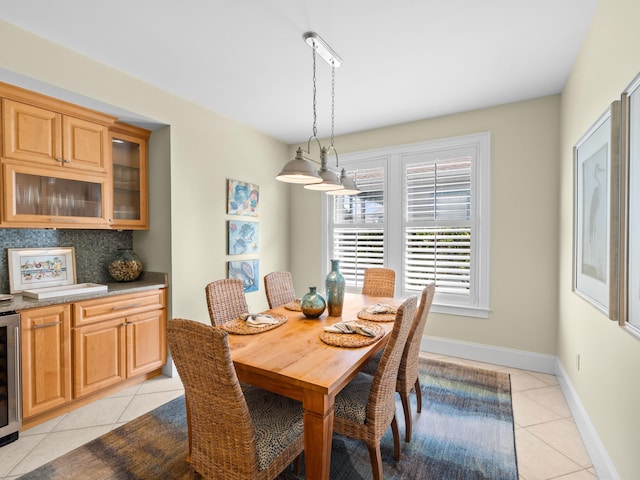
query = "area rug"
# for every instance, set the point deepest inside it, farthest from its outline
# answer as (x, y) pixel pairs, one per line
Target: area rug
(465, 431)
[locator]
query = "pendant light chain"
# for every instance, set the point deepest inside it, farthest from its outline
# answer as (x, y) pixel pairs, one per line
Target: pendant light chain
(333, 98)
(315, 116)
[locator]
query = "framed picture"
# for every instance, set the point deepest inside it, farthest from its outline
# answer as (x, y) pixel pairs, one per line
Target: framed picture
(31, 268)
(243, 237)
(596, 157)
(629, 277)
(242, 198)
(247, 271)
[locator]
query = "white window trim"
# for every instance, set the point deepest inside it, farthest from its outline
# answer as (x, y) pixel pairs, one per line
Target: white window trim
(394, 257)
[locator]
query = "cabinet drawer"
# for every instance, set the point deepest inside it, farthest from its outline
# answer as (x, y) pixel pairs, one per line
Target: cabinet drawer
(118, 306)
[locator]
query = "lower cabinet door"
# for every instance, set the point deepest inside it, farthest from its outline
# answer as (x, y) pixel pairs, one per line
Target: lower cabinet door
(146, 342)
(46, 358)
(100, 356)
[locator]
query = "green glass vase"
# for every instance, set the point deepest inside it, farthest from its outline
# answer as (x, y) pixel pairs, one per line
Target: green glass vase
(312, 304)
(334, 284)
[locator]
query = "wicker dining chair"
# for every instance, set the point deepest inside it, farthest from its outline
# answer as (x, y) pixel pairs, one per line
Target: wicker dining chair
(279, 288)
(225, 300)
(408, 378)
(379, 282)
(235, 434)
(366, 406)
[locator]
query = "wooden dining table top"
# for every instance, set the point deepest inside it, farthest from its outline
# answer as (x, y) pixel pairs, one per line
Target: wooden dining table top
(294, 353)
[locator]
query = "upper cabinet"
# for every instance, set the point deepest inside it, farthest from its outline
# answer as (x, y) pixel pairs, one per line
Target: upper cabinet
(65, 166)
(130, 180)
(46, 137)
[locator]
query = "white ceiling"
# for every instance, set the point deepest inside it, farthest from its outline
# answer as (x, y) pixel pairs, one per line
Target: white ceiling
(404, 60)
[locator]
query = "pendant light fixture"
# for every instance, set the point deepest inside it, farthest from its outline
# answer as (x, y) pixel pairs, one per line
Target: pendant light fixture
(301, 170)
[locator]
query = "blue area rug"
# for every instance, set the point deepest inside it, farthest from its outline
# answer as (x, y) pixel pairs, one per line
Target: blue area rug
(465, 432)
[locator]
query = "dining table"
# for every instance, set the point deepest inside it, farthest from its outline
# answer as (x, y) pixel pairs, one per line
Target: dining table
(293, 361)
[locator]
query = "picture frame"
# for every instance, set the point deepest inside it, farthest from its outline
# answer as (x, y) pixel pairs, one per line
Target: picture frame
(247, 271)
(242, 237)
(629, 270)
(596, 212)
(32, 268)
(242, 198)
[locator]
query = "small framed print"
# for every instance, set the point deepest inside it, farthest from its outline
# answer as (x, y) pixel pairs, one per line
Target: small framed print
(246, 271)
(242, 198)
(31, 268)
(596, 157)
(242, 237)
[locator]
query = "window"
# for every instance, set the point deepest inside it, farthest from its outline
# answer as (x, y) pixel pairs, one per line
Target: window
(424, 212)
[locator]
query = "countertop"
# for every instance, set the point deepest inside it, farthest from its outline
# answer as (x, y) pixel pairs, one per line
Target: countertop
(146, 281)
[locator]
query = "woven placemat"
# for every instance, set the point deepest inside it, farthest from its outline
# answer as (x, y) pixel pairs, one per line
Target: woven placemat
(353, 340)
(376, 317)
(294, 306)
(240, 327)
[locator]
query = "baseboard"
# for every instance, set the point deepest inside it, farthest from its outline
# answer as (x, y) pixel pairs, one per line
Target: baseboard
(538, 363)
(507, 357)
(599, 457)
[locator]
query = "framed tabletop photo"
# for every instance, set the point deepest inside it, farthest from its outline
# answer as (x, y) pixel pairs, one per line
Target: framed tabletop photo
(596, 219)
(32, 268)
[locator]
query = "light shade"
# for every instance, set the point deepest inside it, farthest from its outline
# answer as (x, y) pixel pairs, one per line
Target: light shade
(330, 181)
(348, 184)
(299, 170)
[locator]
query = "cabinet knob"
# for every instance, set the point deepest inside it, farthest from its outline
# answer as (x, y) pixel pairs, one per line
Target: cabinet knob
(66, 160)
(59, 160)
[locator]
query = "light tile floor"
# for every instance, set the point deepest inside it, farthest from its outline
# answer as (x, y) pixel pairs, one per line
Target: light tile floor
(548, 444)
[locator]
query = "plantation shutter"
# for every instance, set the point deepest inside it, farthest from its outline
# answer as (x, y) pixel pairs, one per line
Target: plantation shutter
(359, 226)
(438, 214)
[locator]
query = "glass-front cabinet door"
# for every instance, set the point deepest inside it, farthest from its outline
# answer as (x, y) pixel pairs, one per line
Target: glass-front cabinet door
(130, 191)
(49, 198)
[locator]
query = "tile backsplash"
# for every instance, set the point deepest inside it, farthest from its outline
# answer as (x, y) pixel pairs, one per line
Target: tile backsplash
(93, 249)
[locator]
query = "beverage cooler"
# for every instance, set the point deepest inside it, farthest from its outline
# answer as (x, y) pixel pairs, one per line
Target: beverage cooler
(10, 415)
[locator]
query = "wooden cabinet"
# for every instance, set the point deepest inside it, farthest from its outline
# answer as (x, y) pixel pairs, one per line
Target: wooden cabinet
(46, 358)
(50, 138)
(99, 356)
(77, 352)
(130, 177)
(65, 166)
(115, 339)
(41, 197)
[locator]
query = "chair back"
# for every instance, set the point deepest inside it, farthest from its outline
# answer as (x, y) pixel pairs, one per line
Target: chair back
(381, 404)
(278, 287)
(222, 434)
(379, 282)
(225, 300)
(408, 370)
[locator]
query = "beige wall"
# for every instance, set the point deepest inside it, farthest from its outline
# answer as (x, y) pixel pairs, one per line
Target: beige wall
(195, 156)
(608, 382)
(524, 219)
(531, 174)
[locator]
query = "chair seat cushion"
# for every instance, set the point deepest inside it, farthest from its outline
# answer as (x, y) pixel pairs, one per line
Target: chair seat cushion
(372, 365)
(277, 421)
(351, 402)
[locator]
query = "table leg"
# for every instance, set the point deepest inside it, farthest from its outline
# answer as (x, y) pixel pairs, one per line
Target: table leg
(318, 430)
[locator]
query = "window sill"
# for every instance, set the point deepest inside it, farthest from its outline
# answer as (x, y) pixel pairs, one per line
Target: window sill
(461, 311)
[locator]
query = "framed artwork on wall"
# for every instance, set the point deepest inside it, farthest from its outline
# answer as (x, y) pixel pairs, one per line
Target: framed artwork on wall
(247, 271)
(31, 268)
(596, 216)
(242, 198)
(242, 237)
(629, 275)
